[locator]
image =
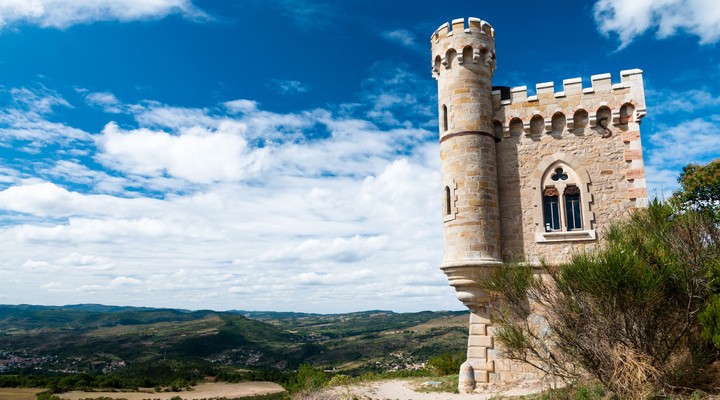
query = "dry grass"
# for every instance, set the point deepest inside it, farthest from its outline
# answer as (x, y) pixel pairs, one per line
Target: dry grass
(19, 394)
(201, 391)
(442, 322)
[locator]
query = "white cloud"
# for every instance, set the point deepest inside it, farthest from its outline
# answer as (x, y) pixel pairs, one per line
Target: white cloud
(672, 147)
(288, 86)
(65, 13)
(231, 206)
(631, 18)
(26, 120)
(241, 106)
(401, 36)
(689, 101)
(105, 100)
(39, 101)
(197, 155)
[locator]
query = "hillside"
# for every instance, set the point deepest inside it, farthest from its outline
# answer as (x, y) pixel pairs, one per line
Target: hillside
(102, 339)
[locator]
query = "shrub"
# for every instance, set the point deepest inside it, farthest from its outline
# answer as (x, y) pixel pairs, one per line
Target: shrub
(631, 314)
(446, 363)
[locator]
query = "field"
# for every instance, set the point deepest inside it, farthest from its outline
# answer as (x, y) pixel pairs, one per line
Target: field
(201, 391)
(19, 394)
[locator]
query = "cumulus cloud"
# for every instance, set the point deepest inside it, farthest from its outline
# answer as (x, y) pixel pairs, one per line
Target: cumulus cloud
(234, 206)
(65, 13)
(198, 155)
(631, 18)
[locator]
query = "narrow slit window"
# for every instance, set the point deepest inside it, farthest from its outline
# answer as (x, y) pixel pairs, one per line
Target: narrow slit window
(448, 201)
(445, 118)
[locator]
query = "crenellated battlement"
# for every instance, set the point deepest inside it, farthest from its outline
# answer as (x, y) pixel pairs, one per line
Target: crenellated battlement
(457, 27)
(572, 108)
(600, 83)
(458, 43)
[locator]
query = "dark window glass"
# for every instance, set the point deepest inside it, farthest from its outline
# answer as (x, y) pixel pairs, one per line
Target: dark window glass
(572, 208)
(551, 207)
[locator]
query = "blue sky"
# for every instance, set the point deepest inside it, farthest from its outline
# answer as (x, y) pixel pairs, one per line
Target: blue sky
(282, 155)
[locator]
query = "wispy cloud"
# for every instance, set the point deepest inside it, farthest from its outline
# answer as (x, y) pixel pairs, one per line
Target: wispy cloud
(631, 18)
(105, 101)
(402, 37)
(288, 86)
(65, 13)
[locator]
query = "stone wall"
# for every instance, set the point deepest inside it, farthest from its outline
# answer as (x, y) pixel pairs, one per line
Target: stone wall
(595, 132)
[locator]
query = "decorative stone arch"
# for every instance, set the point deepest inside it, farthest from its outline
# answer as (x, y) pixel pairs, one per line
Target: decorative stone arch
(580, 120)
(436, 64)
(467, 55)
(537, 125)
(580, 178)
(450, 56)
(558, 123)
(515, 126)
(602, 112)
(627, 113)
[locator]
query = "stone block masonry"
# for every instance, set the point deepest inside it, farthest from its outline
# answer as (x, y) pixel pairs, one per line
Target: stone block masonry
(525, 177)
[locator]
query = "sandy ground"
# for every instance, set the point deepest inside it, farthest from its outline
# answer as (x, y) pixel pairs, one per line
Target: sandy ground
(406, 390)
(202, 391)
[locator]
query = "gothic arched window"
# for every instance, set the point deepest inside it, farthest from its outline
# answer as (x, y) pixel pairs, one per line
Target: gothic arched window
(562, 206)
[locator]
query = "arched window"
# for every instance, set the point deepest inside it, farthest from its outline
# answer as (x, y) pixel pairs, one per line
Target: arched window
(572, 208)
(562, 206)
(551, 209)
(562, 212)
(449, 208)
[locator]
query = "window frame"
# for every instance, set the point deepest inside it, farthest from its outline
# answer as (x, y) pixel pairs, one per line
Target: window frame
(576, 178)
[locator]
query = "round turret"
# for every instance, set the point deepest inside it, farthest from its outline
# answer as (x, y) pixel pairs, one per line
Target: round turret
(463, 63)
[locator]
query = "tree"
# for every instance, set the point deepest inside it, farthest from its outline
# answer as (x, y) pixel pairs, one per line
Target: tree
(700, 189)
(627, 313)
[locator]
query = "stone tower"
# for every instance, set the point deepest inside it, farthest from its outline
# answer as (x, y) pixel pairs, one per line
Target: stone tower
(463, 64)
(525, 177)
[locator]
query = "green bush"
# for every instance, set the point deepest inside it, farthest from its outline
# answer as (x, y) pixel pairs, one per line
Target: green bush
(634, 313)
(307, 378)
(446, 363)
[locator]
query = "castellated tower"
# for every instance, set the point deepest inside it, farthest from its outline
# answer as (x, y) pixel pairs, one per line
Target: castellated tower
(525, 178)
(463, 64)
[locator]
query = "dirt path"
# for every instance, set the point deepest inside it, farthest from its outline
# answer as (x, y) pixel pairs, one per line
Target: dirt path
(406, 390)
(202, 391)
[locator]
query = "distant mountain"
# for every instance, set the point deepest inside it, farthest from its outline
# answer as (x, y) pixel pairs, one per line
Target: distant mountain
(93, 337)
